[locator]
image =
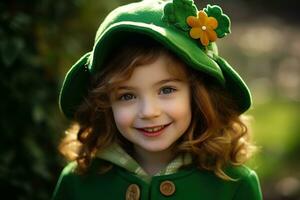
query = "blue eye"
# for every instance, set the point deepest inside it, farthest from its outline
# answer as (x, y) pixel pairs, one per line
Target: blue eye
(126, 97)
(167, 90)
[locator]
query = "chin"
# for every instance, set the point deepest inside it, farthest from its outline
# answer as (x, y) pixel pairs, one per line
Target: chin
(155, 148)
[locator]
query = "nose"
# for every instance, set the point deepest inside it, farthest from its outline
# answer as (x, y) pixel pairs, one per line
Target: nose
(149, 108)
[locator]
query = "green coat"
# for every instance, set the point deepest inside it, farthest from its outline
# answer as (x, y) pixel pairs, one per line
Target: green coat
(187, 184)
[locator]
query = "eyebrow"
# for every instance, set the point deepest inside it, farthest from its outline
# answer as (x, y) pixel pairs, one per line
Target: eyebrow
(168, 80)
(164, 81)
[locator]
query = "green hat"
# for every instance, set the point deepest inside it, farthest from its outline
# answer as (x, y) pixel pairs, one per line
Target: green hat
(177, 25)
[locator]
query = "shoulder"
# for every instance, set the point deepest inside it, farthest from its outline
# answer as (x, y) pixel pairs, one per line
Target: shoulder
(69, 169)
(248, 186)
(239, 172)
(62, 188)
(67, 173)
(245, 184)
(70, 182)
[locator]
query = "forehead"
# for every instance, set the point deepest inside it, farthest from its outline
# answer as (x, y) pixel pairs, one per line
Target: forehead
(163, 66)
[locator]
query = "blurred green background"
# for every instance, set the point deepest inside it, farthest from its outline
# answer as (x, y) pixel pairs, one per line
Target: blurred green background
(40, 40)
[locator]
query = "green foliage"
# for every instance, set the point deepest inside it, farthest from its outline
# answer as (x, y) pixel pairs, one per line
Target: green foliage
(223, 20)
(276, 129)
(30, 122)
(177, 12)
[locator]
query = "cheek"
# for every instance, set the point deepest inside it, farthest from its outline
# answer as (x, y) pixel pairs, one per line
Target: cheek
(123, 116)
(181, 112)
(180, 109)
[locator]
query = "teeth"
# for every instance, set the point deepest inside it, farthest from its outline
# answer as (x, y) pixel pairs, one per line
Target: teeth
(154, 129)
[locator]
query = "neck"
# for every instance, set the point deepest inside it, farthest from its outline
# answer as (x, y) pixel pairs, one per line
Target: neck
(153, 162)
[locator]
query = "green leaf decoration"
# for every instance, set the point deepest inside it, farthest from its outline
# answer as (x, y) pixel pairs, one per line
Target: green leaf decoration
(223, 20)
(177, 11)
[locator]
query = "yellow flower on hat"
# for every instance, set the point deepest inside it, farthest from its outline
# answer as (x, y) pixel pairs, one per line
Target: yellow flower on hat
(203, 27)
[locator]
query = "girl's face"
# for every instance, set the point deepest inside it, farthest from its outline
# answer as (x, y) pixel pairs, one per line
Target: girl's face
(152, 108)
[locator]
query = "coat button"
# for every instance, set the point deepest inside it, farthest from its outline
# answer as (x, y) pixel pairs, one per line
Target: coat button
(133, 192)
(167, 188)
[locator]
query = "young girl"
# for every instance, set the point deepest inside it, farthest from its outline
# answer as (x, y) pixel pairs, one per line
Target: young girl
(157, 113)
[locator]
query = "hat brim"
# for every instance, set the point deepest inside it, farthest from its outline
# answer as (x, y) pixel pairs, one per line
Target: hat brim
(186, 48)
(181, 44)
(74, 87)
(235, 85)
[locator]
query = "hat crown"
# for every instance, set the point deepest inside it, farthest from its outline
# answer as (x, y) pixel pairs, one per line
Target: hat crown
(146, 11)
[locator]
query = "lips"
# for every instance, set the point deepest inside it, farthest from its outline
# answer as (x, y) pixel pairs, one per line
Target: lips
(154, 130)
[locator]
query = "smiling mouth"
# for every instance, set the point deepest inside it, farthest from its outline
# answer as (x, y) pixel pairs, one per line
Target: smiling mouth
(153, 131)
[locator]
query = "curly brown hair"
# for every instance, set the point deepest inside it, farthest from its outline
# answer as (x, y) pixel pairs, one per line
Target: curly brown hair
(217, 136)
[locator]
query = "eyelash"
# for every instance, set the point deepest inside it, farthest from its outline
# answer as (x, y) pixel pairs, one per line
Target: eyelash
(162, 91)
(168, 88)
(123, 97)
